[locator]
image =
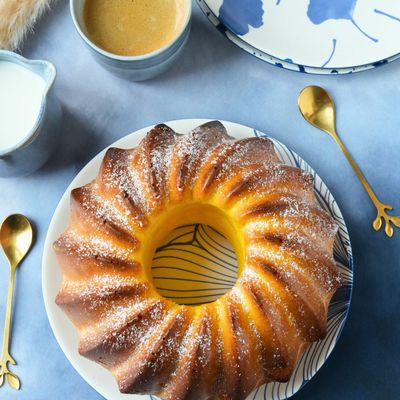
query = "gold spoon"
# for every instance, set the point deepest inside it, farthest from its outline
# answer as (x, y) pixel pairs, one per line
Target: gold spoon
(318, 109)
(16, 237)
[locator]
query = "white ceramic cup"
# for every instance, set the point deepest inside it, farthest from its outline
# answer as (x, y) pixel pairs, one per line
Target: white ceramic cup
(136, 68)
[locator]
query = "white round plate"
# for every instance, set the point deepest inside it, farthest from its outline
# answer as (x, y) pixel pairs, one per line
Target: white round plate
(312, 36)
(98, 377)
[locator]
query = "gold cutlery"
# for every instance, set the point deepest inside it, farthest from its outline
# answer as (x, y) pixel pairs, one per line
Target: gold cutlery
(318, 109)
(16, 237)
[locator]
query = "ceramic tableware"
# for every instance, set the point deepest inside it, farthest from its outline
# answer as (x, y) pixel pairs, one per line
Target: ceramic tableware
(34, 146)
(311, 36)
(312, 359)
(136, 68)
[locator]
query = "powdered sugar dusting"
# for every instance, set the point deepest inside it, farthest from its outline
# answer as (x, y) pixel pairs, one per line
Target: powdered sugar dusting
(120, 174)
(235, 154)
(292, 256)
(123, 326)
(193, 149)
(102, 208)
(74, 244)
(136, 331)
(291, 215)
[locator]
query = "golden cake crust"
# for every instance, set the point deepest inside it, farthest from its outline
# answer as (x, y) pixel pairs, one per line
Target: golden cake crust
(253, 334)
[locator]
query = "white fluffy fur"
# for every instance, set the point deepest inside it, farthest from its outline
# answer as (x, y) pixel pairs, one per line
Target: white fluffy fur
(17, 17)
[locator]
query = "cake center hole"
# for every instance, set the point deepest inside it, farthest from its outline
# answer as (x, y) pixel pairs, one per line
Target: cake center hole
(194, 265)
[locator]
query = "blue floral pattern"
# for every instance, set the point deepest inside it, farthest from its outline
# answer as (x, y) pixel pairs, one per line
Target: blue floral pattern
(239, 15)
(337, 26)
(320, 11)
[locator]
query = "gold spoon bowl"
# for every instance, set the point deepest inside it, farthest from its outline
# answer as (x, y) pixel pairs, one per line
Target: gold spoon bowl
(318, 108)
(16, 236)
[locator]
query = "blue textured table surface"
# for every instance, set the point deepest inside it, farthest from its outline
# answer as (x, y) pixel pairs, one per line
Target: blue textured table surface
(214, 79)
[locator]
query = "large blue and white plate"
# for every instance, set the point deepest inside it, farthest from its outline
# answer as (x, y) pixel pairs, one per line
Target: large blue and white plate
(312, 36)
(199, 254)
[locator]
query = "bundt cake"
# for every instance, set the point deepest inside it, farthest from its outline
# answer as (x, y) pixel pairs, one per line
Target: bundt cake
(253, 334)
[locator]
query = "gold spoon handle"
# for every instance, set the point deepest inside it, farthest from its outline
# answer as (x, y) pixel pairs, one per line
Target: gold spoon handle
(318, 108)
(380, 207)
(357, 170)
(6, 337)
(6, 357)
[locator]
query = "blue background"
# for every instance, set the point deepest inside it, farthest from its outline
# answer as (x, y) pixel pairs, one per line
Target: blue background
(215, 79)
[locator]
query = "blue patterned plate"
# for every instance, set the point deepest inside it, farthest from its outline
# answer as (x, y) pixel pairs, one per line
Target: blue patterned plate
(312, 36)
(196, 264)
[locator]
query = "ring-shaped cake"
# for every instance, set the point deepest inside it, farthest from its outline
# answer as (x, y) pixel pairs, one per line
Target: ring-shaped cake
(253, 334)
